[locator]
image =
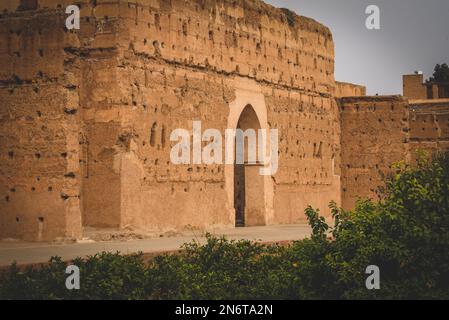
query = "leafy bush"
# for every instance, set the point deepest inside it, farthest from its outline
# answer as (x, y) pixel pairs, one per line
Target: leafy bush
(406, 235)
(104, 276)
(220, 269)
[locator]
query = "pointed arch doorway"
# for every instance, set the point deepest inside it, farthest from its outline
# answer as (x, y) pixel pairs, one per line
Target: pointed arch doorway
(249, 193)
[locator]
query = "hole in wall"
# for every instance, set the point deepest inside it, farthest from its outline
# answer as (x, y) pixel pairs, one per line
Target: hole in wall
(163, 136)
(70, 175)
(153, 134)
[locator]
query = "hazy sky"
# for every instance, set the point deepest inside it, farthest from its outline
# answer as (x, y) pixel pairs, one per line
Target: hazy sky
(414, 35)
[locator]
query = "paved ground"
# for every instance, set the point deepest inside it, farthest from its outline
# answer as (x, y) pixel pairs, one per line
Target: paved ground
(27, 253)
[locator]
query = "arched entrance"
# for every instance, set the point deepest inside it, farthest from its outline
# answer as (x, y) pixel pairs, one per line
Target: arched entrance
(249, 193)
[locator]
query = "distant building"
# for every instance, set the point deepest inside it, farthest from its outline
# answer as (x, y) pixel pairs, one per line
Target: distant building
(415, 88)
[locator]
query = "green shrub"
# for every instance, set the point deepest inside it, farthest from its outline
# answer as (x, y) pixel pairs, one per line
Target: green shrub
(104, 276)
(406, 235)
(220, 269)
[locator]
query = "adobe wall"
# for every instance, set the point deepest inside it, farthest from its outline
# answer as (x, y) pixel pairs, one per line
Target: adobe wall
(344, 89)
(40, 175)
(375, 135)
(429, 126)
(116, 89)
(184, 69)
(413, 86)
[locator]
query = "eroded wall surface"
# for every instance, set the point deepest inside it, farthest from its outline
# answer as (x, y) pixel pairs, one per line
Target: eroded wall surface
(375, 135)
(184, 62)
(429, 126)
(86, 116)
(40, 175)
(111, 93)
(414, 87)
(344, 89)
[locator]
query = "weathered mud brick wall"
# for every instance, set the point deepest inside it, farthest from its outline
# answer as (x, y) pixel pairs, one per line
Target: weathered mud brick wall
(244, 38)
(413, 86)
(344, 89)
(39, 127)
(155, 193)
(309, 147)
(429, 126)
(375, 135)
(86, 131)
(183, 61)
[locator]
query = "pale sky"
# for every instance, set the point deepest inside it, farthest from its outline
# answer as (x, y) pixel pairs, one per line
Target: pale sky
(414, 35)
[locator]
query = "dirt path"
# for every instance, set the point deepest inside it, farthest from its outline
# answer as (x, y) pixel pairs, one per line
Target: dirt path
(30, 253)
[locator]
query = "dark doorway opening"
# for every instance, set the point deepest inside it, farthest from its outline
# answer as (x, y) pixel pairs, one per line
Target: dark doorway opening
(248, 183)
